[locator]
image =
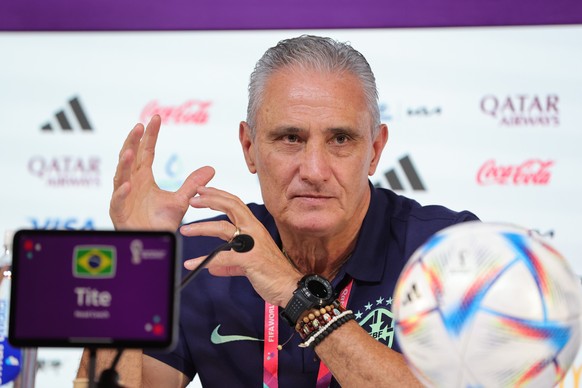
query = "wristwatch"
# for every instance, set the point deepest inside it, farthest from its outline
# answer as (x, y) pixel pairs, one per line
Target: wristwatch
(312, 291)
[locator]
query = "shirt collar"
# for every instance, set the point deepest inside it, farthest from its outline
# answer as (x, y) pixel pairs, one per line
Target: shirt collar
(368, 261)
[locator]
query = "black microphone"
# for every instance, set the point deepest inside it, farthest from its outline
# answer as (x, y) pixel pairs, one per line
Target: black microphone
(241, 243)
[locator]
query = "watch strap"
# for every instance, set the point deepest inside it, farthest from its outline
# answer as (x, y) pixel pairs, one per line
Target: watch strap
(296, 306)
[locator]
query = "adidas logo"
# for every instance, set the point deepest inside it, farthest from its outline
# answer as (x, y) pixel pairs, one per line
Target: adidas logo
(74, 109)
(410, 174)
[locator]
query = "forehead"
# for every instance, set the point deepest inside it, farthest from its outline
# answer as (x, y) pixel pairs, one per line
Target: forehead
(307, 98)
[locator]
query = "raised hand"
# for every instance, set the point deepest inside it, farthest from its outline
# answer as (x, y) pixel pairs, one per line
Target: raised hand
(270, 273)
(137, 202)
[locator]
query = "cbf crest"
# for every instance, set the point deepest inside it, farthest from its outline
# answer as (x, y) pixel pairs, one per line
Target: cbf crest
(377, 319)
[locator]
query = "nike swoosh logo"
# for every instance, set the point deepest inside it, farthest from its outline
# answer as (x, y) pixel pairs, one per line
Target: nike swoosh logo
(217, 339)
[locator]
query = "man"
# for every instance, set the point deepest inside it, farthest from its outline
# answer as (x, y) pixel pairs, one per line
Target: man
(313, 136)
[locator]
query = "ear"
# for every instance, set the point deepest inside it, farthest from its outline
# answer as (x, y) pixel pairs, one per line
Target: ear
(246, 141)
(378, 145)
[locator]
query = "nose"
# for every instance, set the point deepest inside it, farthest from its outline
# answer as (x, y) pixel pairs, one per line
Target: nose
(314, 163)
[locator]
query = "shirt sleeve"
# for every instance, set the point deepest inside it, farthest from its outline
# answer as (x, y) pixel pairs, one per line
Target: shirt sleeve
(466, 215)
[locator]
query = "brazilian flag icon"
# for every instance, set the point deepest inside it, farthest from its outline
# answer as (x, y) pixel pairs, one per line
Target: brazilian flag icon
(94, 261)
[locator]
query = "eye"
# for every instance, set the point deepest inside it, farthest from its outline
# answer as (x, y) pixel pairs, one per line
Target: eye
(291, 138)
(341, 138)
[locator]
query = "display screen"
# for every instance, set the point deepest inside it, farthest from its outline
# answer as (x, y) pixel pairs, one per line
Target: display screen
(93, 288)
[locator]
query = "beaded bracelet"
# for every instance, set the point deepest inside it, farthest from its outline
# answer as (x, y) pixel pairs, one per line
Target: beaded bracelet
(326, 330)
(316, 318)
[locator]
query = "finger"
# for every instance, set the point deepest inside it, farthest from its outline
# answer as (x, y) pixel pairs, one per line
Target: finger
(231, 270)
(222, 229)
(219, 200)
(192, 264)
(195, 180)
(147, 146)
(127, 156)
(133, 138)
(217, 266)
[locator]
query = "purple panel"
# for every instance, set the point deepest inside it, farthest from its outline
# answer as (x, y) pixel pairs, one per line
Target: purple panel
(66, 15)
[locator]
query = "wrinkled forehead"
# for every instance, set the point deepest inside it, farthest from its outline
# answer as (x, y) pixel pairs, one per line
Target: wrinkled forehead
(295, 90)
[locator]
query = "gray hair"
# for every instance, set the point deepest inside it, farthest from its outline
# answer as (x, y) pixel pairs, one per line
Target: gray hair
(318, 53)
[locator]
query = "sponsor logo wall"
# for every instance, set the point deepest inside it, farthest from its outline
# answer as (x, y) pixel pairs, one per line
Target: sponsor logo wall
(478, 120)
(523, 109)
(63, 121)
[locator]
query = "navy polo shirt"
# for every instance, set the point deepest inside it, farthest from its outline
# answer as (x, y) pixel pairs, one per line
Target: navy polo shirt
(222, 318)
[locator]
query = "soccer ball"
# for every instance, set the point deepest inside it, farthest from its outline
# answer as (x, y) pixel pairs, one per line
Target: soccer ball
(488, 305)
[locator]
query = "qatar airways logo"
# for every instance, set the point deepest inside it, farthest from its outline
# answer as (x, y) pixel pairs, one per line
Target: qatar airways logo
(66, 170)
(194, 112)
(530, 172)
(523, 110)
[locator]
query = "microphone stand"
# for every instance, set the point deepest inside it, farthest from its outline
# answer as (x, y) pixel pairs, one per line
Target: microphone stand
(109, 377)
(92, 363)
(224, 247)
(241, 243)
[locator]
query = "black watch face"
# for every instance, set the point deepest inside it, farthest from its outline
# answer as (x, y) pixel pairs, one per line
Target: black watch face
(318, 289)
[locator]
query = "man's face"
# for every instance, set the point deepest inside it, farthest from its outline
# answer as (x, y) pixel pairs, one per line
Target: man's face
(313, 151)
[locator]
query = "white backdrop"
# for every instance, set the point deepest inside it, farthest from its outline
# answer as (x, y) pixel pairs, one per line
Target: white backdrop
(488, 118)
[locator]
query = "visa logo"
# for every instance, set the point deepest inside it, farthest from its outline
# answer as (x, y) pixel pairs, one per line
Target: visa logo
(62, 223)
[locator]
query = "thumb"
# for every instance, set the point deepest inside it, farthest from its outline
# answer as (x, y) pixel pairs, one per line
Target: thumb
(197, 178)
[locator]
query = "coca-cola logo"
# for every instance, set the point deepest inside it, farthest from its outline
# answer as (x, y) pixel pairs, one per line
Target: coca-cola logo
(190, 112)
(530, 172)
(66, 170)
(523, 110)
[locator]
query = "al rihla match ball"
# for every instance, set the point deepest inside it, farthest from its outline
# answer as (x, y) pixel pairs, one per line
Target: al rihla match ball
(488, 305)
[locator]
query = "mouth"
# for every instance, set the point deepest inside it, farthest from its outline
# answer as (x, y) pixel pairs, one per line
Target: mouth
(311, 198)
(308, 195)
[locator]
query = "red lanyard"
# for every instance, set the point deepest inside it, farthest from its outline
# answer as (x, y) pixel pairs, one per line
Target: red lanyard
(271, 352)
